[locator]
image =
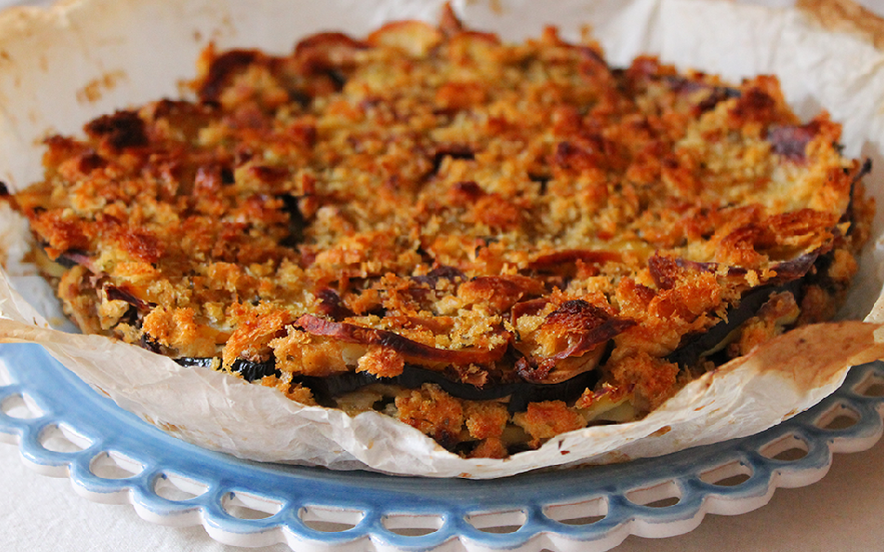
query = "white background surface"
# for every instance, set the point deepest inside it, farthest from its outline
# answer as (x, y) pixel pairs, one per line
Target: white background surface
(842, 513)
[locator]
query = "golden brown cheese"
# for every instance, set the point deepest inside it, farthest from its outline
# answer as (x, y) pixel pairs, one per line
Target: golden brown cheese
(495, 243)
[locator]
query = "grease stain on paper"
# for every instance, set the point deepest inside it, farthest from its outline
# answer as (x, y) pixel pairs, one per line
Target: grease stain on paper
(96, 88)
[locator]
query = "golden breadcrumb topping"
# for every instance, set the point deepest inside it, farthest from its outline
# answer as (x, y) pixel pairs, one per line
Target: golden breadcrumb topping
(495, 243)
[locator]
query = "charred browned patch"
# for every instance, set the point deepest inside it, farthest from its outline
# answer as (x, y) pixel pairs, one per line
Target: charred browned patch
(140, 244)
(327, 54)
(90, 161)
(222, 68)
(291, 205)
(465, 193)
(123, 129)
(268, 174)
(576, 315)
(754, 105)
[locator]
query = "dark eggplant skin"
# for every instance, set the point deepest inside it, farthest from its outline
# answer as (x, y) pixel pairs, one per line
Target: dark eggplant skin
(692, 349)
(249, 370)
(252, 371)
(297, 222)
(412, 377)
(791, 141)
(73, 257)
(325, 389)
(202, 362)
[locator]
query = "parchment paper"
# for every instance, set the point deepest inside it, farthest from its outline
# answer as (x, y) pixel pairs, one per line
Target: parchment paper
(63, 66)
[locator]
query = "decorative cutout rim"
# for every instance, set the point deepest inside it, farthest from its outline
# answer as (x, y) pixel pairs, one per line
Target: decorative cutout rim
(65, 428)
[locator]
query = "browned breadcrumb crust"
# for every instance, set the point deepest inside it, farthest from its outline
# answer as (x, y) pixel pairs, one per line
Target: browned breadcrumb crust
(453, 224)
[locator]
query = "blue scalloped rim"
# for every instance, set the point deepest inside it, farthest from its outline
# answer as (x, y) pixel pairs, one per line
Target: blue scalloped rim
(64, 399)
